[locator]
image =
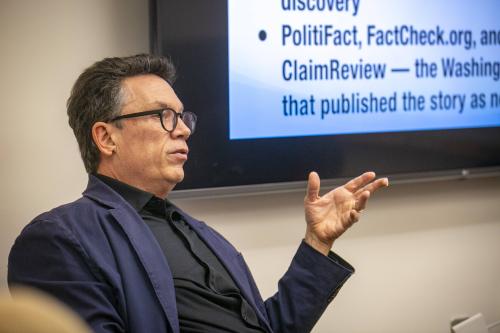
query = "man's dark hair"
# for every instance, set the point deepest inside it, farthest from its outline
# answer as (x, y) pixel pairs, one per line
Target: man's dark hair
(97, 96)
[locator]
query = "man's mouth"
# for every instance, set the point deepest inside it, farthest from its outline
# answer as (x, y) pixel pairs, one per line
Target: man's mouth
(180, 154)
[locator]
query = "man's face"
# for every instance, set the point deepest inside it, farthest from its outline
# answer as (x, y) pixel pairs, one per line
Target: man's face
(147, 156)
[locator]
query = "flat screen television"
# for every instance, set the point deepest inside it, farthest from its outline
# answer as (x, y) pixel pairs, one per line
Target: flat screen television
(409, 89)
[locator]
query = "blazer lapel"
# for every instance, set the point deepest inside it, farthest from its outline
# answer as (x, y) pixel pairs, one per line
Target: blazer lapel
(144, 244)
(154, 263)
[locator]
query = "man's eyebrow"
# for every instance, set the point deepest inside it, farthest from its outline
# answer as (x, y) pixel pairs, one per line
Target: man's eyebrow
(169, 106)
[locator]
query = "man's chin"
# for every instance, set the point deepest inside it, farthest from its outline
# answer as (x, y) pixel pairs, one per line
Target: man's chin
(175, 177)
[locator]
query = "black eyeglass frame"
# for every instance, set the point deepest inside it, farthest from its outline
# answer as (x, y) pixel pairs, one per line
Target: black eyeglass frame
(159, 113)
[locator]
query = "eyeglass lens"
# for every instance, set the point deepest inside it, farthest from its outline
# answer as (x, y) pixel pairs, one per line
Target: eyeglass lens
(170, 120)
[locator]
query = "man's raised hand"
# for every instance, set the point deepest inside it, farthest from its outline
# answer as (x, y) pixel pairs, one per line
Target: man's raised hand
(330, 215)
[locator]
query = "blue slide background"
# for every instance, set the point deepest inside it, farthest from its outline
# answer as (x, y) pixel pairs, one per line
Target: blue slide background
(256, 85)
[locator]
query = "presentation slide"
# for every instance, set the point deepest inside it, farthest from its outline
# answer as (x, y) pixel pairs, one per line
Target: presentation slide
(328, 67)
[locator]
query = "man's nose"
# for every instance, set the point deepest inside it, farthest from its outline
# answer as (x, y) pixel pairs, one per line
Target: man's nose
(181, 130)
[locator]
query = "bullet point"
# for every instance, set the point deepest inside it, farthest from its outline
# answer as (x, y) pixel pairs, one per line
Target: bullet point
(262, 35)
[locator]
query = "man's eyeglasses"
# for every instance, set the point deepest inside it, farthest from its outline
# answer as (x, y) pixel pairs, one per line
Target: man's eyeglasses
(168, 118)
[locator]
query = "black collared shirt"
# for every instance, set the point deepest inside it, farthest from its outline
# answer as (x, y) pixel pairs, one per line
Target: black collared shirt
(208, 300)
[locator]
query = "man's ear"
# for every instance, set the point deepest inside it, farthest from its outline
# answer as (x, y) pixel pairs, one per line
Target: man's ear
(103, 138)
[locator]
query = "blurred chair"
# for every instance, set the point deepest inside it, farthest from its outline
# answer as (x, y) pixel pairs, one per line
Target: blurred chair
(31, 311)
(474, 324)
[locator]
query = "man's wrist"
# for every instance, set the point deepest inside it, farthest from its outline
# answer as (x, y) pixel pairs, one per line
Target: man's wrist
(318, 245)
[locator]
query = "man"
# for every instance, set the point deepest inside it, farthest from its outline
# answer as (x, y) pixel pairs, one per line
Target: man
(128, 260)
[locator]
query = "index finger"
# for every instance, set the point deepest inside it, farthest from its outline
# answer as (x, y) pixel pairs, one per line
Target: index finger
(375, 185)
(359, 182)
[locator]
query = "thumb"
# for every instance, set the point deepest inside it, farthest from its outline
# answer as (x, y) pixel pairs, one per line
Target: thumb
(313, 185)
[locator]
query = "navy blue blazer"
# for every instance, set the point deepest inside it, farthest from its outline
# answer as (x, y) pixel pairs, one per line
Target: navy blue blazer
(98, 256)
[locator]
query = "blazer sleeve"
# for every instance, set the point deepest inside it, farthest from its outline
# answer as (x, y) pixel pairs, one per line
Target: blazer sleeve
(48, 256)
(309, 285)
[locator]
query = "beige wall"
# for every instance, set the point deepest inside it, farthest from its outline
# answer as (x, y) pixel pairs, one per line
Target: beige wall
(424, 253)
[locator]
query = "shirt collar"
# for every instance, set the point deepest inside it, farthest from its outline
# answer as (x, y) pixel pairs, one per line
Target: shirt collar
(137, 198)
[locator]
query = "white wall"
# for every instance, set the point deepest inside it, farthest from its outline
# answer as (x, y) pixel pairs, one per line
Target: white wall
(424, 253)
